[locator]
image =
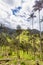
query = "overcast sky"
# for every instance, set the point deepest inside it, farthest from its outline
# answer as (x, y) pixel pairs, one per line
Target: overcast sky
(16, 12)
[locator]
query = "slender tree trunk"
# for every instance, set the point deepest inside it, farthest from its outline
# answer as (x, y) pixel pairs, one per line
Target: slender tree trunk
(40, 37)
(33, 40)
(32, 23)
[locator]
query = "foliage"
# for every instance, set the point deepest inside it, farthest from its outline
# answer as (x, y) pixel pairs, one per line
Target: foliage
(21, 41)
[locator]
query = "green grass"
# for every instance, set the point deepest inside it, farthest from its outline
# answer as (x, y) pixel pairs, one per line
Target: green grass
(25, 59)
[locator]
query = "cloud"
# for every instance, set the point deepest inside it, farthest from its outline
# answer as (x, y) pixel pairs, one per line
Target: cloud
(22, 10)
(9, 2)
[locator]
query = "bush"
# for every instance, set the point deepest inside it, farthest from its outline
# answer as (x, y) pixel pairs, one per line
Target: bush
(22, 63)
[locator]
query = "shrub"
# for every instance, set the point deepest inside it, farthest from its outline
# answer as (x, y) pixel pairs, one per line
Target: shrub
(22, 63)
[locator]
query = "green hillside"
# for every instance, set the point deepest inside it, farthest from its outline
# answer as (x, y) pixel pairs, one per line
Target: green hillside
(20, 44)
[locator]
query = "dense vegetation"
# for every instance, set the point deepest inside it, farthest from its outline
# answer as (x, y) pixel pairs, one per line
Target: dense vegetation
(22, 44)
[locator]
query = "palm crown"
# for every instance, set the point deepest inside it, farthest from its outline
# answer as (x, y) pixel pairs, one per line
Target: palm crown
(38, 5)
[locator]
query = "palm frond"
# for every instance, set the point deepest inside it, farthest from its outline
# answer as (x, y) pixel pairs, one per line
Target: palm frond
(37, 6)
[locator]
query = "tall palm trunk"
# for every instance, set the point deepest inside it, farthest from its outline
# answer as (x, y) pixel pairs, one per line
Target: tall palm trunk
(32, 23)
(38, 6)
(40, 36)
(33, 40)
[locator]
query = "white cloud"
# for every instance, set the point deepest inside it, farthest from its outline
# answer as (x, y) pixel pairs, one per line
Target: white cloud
(10, 20)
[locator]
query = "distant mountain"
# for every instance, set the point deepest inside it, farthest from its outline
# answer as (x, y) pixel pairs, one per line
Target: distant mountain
(13, 31)
(34, 31)
(7, 30)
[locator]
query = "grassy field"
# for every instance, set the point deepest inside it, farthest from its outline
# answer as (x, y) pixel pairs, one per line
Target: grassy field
(20, 62)
(12, 59)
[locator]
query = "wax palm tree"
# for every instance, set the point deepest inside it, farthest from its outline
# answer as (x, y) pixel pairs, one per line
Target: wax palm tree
(32, 16)
(38, 6)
